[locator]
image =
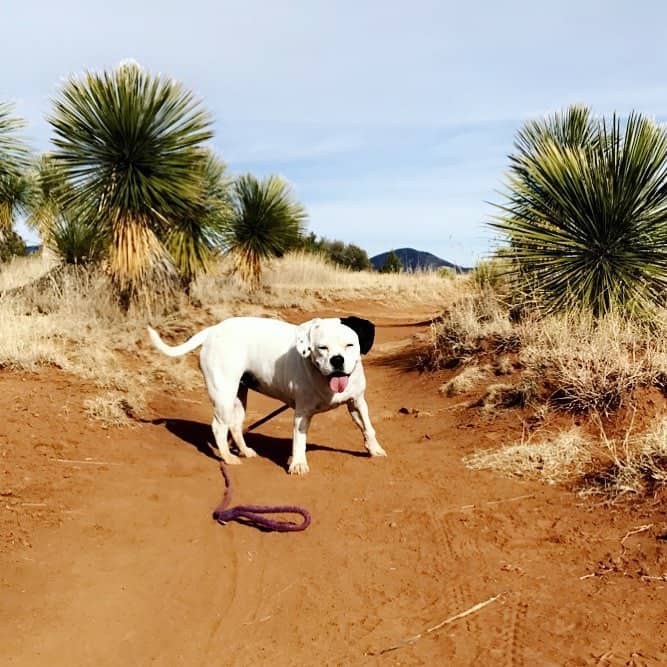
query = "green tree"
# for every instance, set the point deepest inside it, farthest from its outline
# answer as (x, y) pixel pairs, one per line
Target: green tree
(350, 256)
(586, 211)
(130, 145)
(11, 245)
(344, 254)
(392, 264)
(265, 222)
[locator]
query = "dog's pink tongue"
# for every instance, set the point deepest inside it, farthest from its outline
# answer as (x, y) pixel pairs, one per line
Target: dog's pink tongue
(338, 383)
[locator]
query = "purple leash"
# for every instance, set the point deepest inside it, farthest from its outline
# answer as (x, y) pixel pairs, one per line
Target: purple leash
(253, 514)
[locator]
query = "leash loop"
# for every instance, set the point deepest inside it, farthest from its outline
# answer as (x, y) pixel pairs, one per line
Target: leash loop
(254, 514)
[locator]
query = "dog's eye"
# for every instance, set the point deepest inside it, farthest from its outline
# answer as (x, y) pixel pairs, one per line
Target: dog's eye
(322, 348)
(350, 345)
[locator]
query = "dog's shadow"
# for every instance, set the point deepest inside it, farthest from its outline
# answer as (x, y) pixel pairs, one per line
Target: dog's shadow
(278, 450)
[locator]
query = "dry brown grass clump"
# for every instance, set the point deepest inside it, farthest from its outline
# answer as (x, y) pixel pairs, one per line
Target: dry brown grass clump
(569, 363)
(114, 408)
(465, 381)
(633, 464)
(24, 270)
(68, 318)
(475, 323)
(573, 362)
(562, 456)
(636, 464)
(586, 365)
(502, 395)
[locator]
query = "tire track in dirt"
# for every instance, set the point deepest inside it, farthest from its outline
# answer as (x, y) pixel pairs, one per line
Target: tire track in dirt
(455, 547)
(513, 632)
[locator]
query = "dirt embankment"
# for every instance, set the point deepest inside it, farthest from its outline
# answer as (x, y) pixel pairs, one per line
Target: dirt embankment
(109, 555)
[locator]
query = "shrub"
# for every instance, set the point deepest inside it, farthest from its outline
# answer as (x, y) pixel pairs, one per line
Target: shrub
(586, 212)
(266, 222)
(392, 264)
(347, 255)
(11, 245)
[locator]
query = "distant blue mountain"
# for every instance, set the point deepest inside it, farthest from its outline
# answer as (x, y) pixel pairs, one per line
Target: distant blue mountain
(414, 260)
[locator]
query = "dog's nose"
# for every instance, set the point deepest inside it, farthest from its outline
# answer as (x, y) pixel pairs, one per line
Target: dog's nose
(337, 362)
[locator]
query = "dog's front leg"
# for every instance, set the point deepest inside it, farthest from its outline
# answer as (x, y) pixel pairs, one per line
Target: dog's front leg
(298, 465)
(359, 411)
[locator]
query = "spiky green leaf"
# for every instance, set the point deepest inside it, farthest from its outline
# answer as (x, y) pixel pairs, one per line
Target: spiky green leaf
(587, 218)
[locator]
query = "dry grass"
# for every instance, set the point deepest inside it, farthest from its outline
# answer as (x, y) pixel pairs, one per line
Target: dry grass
(569, 363)
(23, 270)
(637, 464)
(114, 408)
(502, 395)
(465, 381)
(589, 366)
(573, 362)
(303, 271)
(565, 455)
(477, 321)
(68, 317)
(303, 279)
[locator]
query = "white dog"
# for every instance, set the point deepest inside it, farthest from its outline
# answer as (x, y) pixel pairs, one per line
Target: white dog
(313, 367)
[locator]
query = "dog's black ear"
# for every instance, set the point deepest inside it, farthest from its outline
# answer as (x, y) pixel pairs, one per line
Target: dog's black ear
(364, 329)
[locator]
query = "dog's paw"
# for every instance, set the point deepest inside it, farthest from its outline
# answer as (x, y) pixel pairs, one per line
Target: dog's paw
(248, 452)
(298, 468)
(376, 450)
(231, 459)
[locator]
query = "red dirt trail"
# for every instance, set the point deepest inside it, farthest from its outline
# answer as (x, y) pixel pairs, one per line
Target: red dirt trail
(109, 555)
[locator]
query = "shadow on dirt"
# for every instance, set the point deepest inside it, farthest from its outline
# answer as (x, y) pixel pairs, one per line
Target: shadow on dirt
(422, 323)
(408, 358)
(278, 450)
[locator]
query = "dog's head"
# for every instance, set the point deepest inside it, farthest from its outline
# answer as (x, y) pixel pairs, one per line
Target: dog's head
(335, 345)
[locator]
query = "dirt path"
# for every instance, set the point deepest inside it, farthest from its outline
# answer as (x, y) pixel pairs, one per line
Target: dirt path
(110, 556)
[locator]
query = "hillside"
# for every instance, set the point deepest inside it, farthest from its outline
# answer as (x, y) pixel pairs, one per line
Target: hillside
(416, 259)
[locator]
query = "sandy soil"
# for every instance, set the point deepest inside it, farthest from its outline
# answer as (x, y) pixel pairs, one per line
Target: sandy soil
(109, 555)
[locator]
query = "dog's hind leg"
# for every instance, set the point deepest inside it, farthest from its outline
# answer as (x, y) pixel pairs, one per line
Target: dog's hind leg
(220, 430)
(236, 425)
(223, 396)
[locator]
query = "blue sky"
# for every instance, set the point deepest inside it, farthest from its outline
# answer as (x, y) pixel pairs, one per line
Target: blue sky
(392, 120)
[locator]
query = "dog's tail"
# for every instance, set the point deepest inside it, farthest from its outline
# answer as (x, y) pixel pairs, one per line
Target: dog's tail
(178, 350)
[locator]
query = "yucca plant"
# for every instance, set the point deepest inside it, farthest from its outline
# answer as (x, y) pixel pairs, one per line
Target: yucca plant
(195, 238)
(586, 212)
(15, 186)
(130, 145)
(266, 222)
(72, 237)
(51, 190)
